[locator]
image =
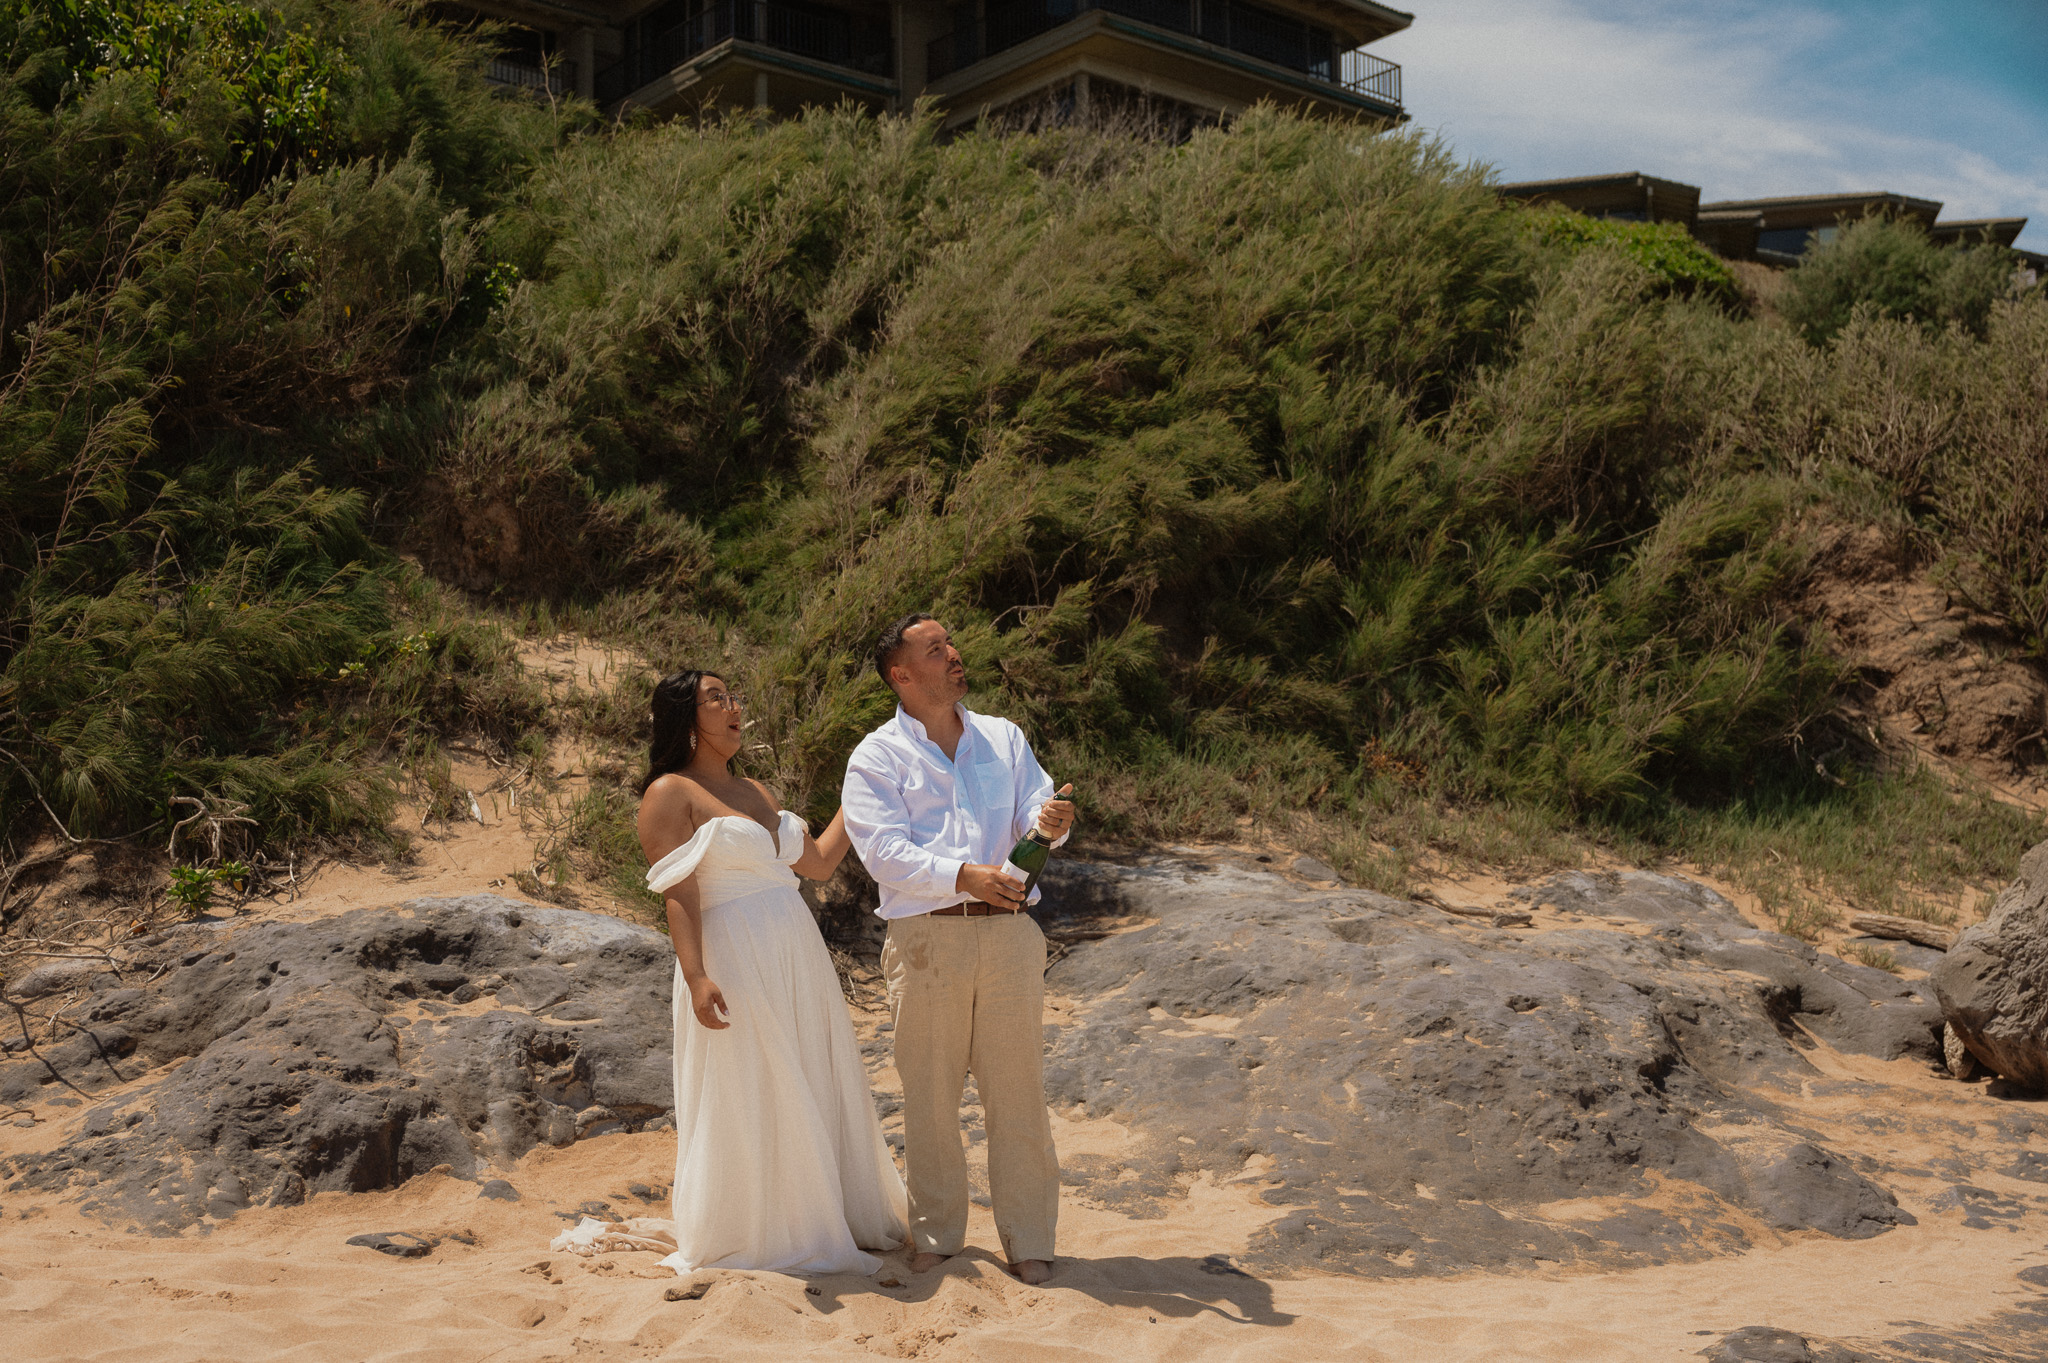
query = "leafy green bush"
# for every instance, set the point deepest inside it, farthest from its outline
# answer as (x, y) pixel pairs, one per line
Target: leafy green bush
(1890, 267)
(1276, 433)
(175, 579)
(217, 68)
(1678, 262)
(1991, 502)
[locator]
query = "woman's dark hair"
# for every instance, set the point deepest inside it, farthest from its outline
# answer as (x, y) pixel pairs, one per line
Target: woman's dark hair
(674, 741)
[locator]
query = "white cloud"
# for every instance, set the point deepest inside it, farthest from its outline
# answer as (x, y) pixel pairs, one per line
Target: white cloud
(1745, 101)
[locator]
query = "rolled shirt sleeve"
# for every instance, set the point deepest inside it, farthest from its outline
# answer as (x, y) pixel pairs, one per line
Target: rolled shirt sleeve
(878, 825)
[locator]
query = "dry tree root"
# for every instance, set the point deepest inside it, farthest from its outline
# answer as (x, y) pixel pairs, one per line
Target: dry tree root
(21, 1019)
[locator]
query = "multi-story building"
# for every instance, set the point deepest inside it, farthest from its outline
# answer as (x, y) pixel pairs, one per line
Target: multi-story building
(1207, 58)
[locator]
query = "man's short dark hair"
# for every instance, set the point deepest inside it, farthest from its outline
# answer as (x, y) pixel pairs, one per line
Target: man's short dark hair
(891, 643)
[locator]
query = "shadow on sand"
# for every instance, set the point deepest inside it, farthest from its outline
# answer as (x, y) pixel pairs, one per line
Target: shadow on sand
(1177, 1287)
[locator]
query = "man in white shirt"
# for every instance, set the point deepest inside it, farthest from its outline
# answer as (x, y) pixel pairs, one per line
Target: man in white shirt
(934, 801)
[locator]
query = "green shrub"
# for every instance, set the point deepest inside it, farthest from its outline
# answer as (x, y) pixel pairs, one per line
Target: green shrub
(178, 585)
(1278, 434)
(1891, 268)
(220, 70)
(1991, 502)
(1679, 263)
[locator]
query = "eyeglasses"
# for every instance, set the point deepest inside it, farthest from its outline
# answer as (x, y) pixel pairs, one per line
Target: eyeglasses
(726, 700)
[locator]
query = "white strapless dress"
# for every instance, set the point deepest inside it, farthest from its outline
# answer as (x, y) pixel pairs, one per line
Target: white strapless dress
(780, 1163)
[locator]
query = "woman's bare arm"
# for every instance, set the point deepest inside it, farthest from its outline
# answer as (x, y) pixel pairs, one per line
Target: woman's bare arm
(667, 822)
(686, 932)
(823, 853)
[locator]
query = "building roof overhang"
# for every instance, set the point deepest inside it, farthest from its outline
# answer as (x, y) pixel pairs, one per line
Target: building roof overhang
(1525, 189)
(1380, 19)
(1821, 210)
(2004, 231)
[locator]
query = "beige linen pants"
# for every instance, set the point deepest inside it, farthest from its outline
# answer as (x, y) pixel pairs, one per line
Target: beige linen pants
(968, 994)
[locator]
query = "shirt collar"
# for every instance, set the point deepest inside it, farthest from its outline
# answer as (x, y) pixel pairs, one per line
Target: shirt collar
(913, 726)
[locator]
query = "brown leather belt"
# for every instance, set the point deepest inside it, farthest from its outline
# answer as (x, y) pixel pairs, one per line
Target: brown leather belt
(973, 908)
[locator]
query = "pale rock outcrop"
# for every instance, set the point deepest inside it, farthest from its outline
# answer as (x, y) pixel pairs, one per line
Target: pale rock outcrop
(1993, 985)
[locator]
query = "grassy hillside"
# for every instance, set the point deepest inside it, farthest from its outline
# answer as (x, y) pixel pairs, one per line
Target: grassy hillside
(1285, 475)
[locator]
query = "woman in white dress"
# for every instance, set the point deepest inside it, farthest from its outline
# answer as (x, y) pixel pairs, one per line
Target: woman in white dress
(780, 1163)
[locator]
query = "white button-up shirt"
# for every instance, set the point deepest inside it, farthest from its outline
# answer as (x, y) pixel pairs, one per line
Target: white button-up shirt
(916, 817)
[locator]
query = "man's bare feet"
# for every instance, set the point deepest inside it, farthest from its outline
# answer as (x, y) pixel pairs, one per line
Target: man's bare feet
(1032, 1271)
(926, 1262)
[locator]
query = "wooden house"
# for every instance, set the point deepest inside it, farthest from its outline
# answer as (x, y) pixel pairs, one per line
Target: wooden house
(1205, 59)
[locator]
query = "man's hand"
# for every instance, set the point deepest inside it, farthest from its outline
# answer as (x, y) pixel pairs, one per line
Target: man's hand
(990, 886)
(708, 1004)
(1057, 814)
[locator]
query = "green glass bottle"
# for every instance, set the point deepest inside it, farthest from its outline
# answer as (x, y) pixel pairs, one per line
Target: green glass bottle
(1027, 859)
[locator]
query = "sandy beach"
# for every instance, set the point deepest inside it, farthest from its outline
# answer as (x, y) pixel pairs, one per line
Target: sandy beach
(283, 1283)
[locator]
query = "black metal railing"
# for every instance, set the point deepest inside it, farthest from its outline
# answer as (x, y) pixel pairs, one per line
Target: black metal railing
(557, 78)
(824, 35)
(1253, 30)
(1372, 76)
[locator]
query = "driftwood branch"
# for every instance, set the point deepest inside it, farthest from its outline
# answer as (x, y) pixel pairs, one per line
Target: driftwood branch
(1904, 930)
(217, 821)
(1500, 918)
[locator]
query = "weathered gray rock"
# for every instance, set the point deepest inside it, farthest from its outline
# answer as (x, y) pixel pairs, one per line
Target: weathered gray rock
(1911, 955)
(1993, 985)
(1414, 1086)
(1760, 1344)
(1803, 1187)
(399, 1244)
(1312, 868)
(328, 1055)
(55, 977)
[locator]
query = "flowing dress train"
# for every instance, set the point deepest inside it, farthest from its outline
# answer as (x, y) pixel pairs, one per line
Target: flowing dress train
(780, 1163)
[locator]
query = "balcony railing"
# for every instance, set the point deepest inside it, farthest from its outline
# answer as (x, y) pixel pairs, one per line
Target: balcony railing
(1373, 77)
(826, 36)
(1253, 30)
(558, 79)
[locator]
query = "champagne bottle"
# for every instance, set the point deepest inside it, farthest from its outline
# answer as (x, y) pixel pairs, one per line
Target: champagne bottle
(1027, 859)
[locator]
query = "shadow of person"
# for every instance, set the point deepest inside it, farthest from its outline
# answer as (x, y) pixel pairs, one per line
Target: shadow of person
(1176, 1287)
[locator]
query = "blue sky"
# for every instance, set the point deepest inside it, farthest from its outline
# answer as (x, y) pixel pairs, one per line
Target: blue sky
(1745, 98)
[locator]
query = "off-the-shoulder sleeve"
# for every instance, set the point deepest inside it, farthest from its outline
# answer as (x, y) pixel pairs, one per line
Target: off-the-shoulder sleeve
(790, 838)
(679, 865)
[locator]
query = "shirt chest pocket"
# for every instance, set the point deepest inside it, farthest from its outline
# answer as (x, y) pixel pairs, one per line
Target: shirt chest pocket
(995, 796)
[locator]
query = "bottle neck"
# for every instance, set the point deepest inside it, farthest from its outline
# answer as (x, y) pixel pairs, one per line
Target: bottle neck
(1039, 838)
